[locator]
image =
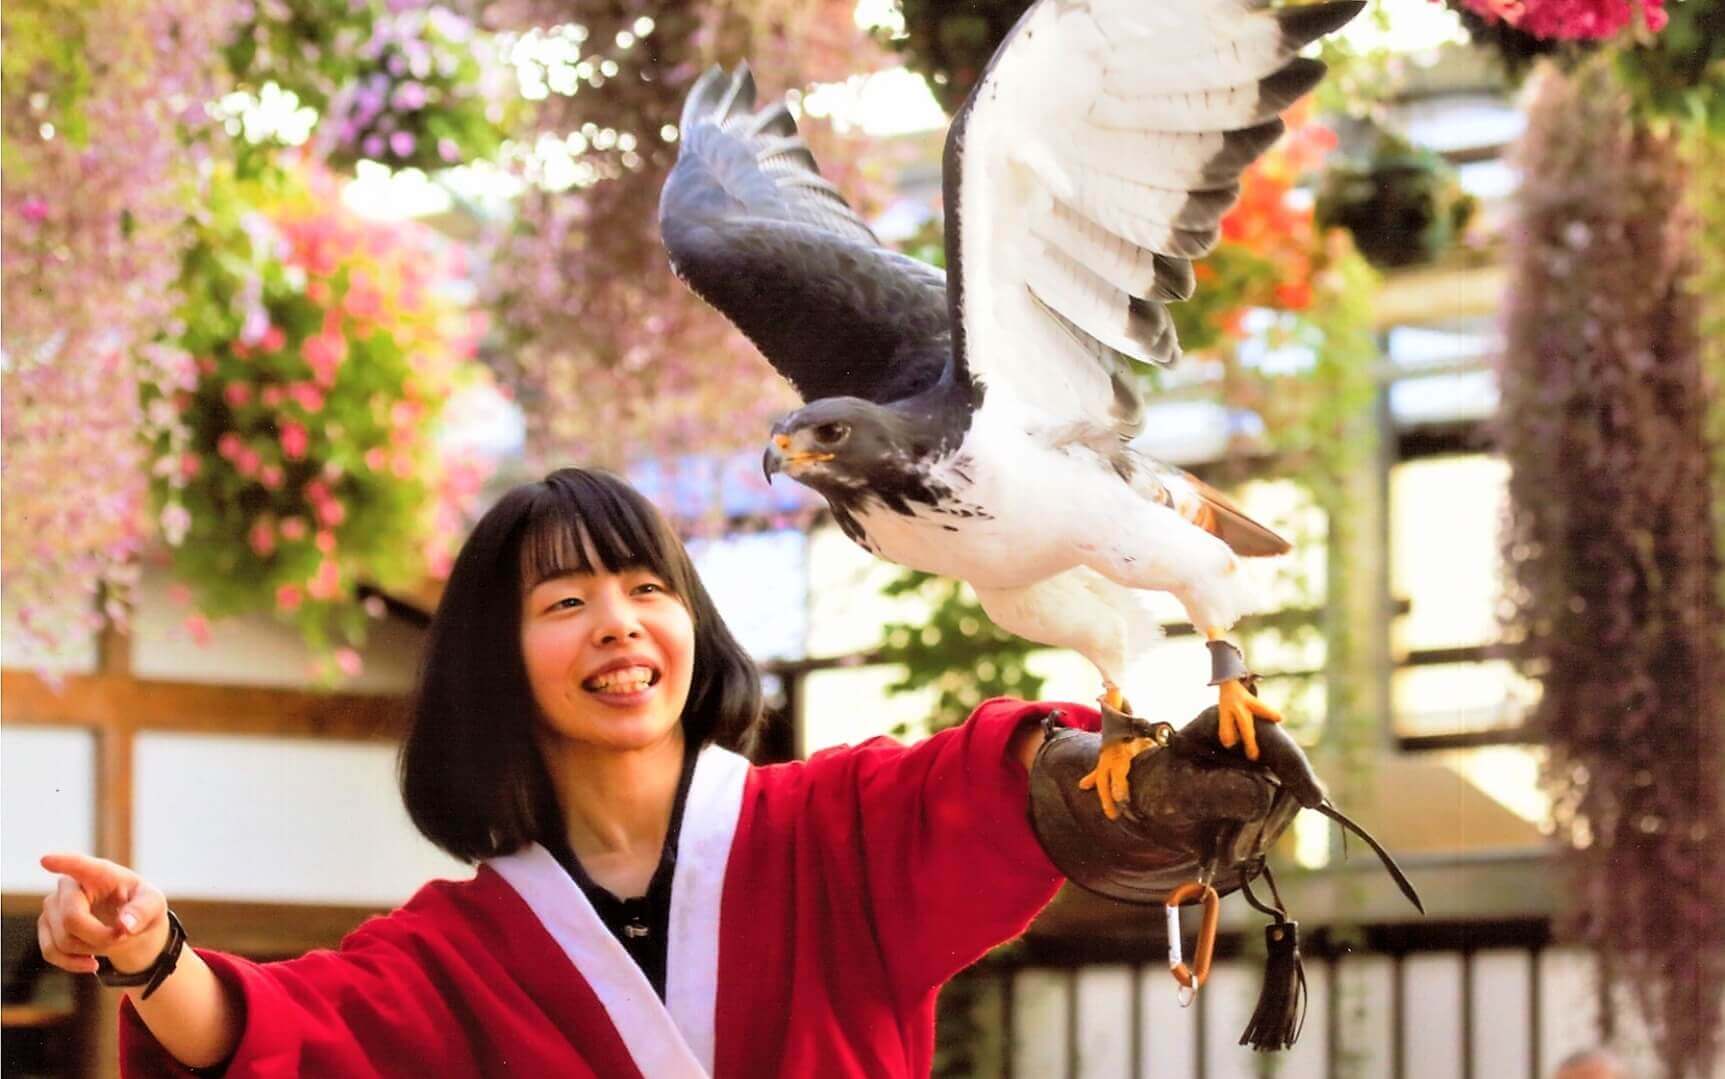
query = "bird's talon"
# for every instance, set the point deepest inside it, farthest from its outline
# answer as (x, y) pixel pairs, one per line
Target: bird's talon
(1110, 777)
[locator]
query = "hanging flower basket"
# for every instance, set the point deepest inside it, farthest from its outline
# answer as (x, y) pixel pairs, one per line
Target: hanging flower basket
(1402, 204)
(303, 461)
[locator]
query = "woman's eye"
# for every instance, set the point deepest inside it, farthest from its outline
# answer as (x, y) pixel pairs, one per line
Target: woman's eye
(567, 603)
(649, 586)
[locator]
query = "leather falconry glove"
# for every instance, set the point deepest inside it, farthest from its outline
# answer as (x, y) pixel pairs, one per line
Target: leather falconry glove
(1199, 817)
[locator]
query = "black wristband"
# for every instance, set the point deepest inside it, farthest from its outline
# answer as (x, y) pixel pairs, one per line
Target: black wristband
(152, 976)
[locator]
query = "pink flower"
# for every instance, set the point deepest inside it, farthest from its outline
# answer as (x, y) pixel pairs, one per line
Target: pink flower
(307, 396)
(248, 462)
(199, 628)
(271, 477)
(206, 365)
(332, 513)
(349, 661)
(293, 529)
(324, 541)
(229, 445)
(376, 459)
(180, 594)
(273, 339)
(238, 394)
(316, 492)
(289, 597)
(295, 441)
(190, 465)
(271, 396)
(33, 210)
(262, 538)
(325, 352)
(326, 582)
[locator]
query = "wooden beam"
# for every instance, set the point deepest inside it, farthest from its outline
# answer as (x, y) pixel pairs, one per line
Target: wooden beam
(101, 701)
(114, 751)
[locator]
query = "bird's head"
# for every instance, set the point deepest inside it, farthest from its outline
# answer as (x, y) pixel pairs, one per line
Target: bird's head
(835, 442)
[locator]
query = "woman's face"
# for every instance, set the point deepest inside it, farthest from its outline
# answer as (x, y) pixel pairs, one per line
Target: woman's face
(609, 657)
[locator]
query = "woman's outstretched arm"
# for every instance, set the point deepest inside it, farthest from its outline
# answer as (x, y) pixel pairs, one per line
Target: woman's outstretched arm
(100, 908)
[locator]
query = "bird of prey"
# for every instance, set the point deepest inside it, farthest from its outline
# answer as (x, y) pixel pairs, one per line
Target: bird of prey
(977, 423)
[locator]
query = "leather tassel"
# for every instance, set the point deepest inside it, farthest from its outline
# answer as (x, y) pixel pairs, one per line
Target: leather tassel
(1281, 1011)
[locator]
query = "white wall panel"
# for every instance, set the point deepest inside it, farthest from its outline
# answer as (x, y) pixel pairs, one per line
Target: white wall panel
(1170, 1031)
(1363, 991)
(1568, 1004)
(47, 801)
(1432, 1017)
(1309, 1058)
(1502, 1013)
(277, 819)
(1230, 996)
(1039, 1023)
(1105, 1022)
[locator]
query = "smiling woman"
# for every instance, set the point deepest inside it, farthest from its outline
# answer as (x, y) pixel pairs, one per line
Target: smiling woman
(647, 901)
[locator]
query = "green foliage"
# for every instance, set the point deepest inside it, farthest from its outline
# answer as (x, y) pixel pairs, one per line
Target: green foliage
(1680, 72)
(950, 41)
(958, 651)
(46, 64)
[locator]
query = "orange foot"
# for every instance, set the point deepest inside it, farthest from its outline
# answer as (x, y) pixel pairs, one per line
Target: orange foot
(1109, 780)
(1236, 708)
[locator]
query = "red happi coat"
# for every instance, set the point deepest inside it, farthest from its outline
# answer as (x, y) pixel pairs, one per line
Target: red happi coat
(816, 908)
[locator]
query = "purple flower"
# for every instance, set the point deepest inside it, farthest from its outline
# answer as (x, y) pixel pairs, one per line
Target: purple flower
(372, 147)
(448, 150)
(401, 144)
(409, 96)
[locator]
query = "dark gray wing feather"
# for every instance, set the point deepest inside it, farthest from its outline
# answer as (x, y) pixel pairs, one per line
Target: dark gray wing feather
(754, 229)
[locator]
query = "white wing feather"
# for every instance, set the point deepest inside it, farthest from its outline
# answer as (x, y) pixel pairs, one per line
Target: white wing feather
(1094, 161)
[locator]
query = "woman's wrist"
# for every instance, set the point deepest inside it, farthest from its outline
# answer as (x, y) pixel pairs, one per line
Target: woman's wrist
(140, 951)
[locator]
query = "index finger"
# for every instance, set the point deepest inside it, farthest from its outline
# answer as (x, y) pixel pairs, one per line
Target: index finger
(96, 876)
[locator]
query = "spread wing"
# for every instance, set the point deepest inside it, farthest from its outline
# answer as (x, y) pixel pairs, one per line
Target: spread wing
(753, 228)
(1092, 163)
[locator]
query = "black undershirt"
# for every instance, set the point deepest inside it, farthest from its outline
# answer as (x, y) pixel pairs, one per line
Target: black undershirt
(642, 923)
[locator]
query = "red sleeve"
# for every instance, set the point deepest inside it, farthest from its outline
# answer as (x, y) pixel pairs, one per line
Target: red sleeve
(952, 867)
(364, 1009)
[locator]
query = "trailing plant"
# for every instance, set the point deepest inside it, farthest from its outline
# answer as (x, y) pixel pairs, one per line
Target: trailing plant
(101, 103)
(305, 461)
(1613, 562)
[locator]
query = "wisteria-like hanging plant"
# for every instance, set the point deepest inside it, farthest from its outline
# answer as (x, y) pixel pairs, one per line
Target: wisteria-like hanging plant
(1612, 551)
(304, 462)
(101, 106)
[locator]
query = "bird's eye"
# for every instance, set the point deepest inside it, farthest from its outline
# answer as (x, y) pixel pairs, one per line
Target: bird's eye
(831, 434)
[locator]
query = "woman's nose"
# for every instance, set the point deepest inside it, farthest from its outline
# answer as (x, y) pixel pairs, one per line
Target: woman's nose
(617, 621)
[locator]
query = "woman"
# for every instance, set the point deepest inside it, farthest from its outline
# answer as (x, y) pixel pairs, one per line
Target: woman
(646, 901)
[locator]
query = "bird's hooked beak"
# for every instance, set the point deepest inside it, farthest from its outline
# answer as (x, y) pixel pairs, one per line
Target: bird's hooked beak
(779, 457)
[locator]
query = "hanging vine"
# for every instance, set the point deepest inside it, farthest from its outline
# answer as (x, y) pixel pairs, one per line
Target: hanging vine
(1611, 552)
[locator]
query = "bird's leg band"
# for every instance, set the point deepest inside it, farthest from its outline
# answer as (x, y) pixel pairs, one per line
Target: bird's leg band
(1227, 663)
(1119, 726)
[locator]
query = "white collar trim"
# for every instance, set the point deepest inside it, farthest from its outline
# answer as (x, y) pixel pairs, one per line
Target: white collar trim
(673, 1038)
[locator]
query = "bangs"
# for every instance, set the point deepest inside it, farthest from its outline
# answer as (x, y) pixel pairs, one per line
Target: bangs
(587, 527)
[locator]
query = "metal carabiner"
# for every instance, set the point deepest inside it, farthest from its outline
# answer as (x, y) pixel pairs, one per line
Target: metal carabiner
(1193, 977)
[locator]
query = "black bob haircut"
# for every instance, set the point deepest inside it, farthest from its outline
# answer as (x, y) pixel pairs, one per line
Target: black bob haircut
(470, 771)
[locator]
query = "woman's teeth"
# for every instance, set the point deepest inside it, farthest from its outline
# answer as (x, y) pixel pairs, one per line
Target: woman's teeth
(623, 680)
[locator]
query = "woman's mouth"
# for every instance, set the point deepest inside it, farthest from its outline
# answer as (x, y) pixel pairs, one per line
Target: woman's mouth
(622, 682)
